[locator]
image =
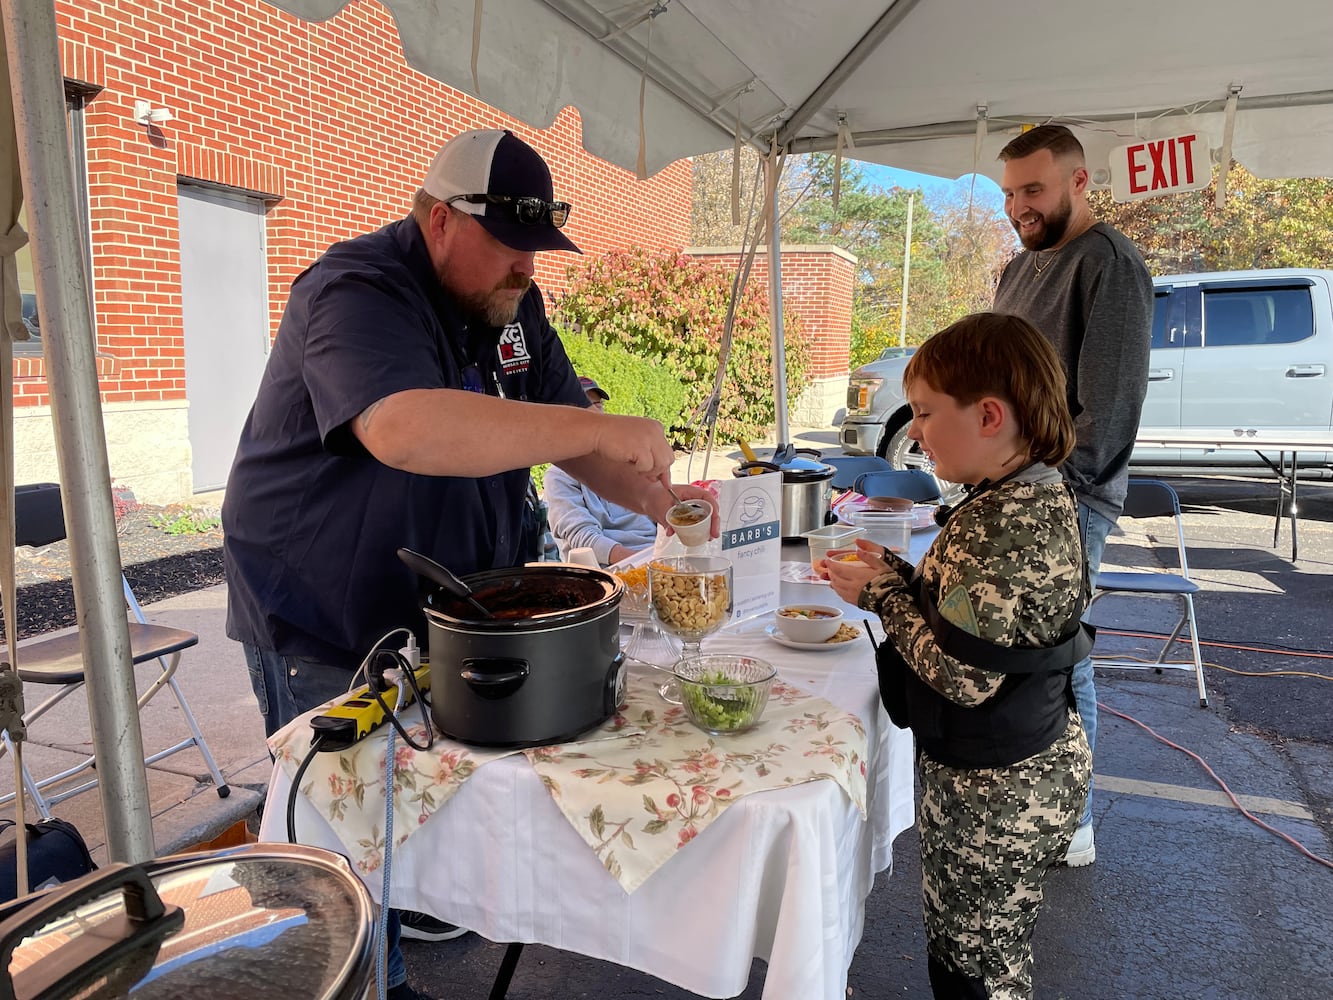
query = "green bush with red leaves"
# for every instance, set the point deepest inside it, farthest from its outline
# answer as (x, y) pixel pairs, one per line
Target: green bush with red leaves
(672, 308)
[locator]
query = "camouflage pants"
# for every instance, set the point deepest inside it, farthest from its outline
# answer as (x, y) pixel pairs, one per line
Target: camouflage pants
(988, 837)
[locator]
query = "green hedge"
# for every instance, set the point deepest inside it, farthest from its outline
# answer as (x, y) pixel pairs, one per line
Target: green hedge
(637, 386)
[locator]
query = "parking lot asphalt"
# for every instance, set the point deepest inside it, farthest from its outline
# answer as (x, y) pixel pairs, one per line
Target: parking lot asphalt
(1188, 897)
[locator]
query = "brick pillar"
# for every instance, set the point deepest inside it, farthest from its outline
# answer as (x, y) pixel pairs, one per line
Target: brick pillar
(817, 283)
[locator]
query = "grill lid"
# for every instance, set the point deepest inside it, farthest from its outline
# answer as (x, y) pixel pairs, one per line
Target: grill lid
(259, 920)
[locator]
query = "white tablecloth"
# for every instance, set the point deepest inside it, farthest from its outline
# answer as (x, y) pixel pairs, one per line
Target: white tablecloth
(782, 875)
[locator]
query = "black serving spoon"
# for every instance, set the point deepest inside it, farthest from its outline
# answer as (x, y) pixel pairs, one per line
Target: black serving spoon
(434, 572)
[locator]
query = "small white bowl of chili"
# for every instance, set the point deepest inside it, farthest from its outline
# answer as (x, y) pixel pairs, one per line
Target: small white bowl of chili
(808, 622)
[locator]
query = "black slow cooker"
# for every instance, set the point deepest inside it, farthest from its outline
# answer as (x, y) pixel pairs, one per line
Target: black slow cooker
(544, 668)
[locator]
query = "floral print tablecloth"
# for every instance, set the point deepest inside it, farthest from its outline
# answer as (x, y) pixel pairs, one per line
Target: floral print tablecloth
(637, 789)
(347, 787)
(637, 801)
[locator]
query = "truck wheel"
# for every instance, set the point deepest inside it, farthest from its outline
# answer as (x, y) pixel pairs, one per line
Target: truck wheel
(899, 450)
(904, 453)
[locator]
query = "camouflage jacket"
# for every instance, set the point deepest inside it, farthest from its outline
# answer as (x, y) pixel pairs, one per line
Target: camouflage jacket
(1008, 567)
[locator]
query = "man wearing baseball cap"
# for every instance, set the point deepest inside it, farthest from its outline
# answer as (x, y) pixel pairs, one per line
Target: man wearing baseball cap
(413, 383)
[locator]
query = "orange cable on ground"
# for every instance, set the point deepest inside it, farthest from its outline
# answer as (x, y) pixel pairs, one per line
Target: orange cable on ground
(1217, 666)
(1246, 673)
(1269, 673)
(1221, 784)
(1221, 645)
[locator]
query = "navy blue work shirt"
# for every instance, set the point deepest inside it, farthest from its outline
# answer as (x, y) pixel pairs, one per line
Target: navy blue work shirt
(312, 522)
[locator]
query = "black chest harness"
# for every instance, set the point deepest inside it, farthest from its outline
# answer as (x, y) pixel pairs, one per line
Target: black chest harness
(1026, 715)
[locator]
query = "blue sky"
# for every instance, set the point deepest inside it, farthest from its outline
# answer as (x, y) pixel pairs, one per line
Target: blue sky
(987, 190)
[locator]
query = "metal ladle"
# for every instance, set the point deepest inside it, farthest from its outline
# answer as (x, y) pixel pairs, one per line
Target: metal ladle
(682, 507)
(433, 571)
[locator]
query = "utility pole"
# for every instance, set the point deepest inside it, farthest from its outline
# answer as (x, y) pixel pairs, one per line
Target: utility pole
(907, 268)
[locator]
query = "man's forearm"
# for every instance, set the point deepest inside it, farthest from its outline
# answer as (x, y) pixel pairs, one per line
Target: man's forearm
(451, 432)
(617, 483)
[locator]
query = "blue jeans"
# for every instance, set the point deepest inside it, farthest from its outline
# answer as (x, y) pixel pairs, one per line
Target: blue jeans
(288, 686)
(1093, 528)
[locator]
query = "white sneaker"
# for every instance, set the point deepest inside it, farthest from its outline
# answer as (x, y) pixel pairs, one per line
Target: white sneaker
(423, 927)
(1082, 851)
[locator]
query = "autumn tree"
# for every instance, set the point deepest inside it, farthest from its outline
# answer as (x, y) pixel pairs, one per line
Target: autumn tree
(711, 187)
(979, 242)
(1265, 223)
(871, 222)
(955, 254)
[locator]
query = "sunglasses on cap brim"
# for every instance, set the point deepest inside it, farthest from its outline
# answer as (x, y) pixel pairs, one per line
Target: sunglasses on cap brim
(529, 211)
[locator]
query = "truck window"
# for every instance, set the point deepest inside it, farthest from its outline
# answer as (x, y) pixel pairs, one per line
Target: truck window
(1248, 316)
(1293, 315)
(1168, 319)
(30, 319)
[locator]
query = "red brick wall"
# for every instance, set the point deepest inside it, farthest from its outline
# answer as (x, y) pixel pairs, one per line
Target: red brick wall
(817, 285)
(324, 119)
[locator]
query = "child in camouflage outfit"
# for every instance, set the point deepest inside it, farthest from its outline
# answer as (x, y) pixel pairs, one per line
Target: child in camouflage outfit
(1003, 760)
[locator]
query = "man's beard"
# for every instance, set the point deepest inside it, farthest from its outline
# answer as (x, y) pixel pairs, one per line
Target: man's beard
(1053, 227)
(492, 308)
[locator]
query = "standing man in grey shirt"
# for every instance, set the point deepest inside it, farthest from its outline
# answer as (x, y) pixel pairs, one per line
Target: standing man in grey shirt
(1086, 288)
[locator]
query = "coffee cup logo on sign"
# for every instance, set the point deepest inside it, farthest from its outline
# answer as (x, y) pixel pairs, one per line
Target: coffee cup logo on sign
(751, 518)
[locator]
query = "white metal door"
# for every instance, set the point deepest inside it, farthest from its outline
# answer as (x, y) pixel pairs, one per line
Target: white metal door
(224, 299)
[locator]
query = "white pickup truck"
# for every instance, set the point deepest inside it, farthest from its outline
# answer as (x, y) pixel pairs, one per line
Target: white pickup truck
(1229, 349)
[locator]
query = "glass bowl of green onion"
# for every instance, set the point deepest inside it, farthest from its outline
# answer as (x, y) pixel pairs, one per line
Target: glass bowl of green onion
(724, 693)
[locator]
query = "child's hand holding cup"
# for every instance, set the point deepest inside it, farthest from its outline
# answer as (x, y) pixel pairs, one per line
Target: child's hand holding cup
(836, 555)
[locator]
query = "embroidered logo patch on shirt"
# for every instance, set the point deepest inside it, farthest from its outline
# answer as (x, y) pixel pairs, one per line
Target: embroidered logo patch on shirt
(957, 608)
(513, 350)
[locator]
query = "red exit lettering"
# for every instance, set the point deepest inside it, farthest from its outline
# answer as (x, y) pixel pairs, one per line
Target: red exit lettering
(1166, 161)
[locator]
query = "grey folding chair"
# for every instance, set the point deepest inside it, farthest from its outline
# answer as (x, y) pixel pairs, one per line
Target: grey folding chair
(58, 662)
(1149, 498)
(847, 469)
(917, 485)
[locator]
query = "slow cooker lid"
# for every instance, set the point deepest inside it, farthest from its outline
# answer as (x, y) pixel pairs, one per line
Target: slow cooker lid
(800, 469)
(529, 597)
(261, 920)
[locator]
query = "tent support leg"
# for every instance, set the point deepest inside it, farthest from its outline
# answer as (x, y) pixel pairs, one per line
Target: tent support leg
(38, 95)
(772, 173)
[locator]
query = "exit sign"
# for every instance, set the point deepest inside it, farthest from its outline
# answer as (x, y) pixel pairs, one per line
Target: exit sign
(1150, 167)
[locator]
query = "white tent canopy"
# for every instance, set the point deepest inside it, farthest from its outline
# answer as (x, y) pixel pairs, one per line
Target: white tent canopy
(937, 86)
(909, 79)
(931, 85)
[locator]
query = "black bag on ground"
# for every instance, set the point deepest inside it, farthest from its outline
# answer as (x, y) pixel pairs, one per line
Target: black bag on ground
(56, 853)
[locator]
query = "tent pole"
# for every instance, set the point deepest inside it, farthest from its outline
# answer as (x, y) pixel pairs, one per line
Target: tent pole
(773, 172)
(907, 270)
(76, 409)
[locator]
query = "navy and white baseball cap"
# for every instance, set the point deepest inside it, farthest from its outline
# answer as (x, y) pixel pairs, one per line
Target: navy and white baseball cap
(505, 185)
(590, 385)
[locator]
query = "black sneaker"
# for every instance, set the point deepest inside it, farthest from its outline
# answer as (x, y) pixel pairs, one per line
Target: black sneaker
(404, 991)
(424, 927)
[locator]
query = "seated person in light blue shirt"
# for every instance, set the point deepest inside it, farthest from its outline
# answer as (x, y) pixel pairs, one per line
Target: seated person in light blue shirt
(579, 518)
